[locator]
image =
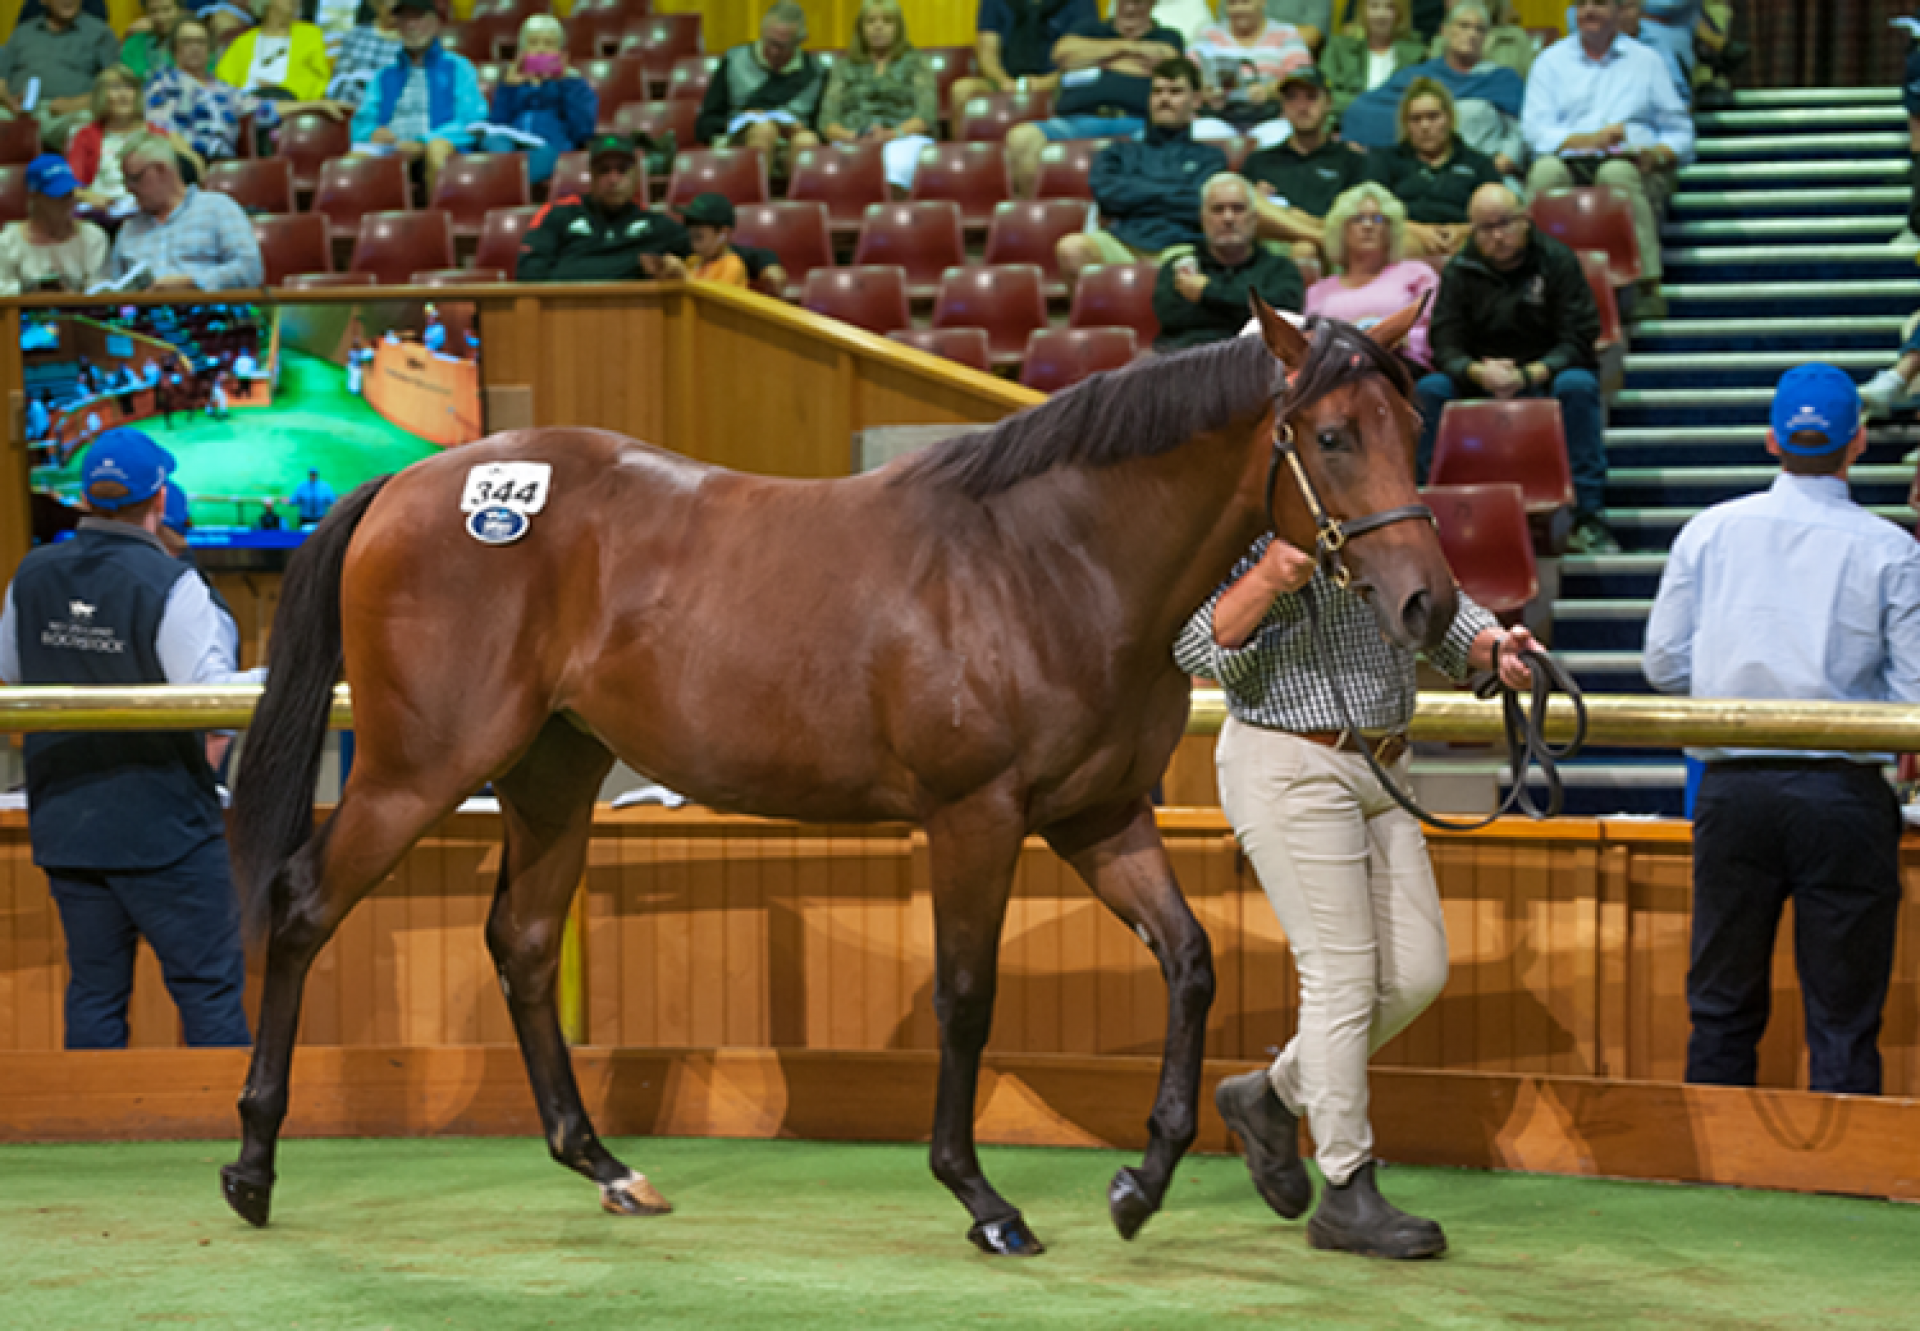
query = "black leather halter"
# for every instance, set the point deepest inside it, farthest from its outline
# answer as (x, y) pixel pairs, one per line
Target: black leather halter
(1330, 534)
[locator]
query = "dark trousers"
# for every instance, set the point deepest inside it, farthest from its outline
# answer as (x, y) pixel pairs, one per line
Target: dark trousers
(188, 913)
(1826, 834)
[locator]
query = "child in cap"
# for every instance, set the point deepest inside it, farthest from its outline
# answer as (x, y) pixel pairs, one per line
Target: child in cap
(709, 220)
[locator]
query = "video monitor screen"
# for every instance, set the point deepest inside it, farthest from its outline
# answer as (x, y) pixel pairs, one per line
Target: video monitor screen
(271, 410)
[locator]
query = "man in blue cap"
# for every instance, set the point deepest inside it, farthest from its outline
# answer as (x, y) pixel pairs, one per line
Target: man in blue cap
(128, 826)
(1797, 592)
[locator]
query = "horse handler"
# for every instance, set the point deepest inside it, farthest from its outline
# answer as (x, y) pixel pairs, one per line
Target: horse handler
(1344, 865)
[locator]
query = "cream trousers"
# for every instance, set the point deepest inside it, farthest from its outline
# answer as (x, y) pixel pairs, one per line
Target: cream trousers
(1347, 872)
(1646, 197)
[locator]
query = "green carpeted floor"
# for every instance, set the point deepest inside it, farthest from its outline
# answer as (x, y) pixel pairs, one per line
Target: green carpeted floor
(489, 1234)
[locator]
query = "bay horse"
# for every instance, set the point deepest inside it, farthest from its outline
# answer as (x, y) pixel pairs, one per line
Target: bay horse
(976, 638)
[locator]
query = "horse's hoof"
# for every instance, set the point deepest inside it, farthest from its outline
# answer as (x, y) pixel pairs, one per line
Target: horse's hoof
(1005, 1238)
(633, 1195)
(251, 1200)
(1128, 1203)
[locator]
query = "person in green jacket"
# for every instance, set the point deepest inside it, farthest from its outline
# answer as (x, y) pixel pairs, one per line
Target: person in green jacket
(1369, 53)
(148, 48)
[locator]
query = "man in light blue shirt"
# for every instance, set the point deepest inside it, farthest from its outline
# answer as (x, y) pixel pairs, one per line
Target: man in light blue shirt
(1797, 592)
(1602, 109)
(184, 237)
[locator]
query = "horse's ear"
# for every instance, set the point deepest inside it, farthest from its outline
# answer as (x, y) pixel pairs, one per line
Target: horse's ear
(1390, 330)
(1281, 337)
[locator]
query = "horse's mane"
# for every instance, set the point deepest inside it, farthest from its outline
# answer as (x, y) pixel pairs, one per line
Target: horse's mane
(1146, 409)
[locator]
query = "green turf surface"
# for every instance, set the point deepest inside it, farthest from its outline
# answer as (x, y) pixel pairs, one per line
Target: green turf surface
(489, 1234)
(265, 452)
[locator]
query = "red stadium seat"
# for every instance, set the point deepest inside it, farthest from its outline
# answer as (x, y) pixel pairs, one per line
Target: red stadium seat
(472, 183)
(1066, 168)
(847, 178)
(311, 281)
(1597, 217)
(987, 119)
(356, 184)
(873, 298)
(1061, 357)
(594, 30)
(1006, 301)
(19, 140)
(307, 140)
(662, 38)
(690, 76)
(1520, 441)
(922, 238)
(973, 175)
(795, 231)
(1612, 342)
(258, 184)
(393, 246)
(293, 243)
(573, 176)
(1117, 295)
(521, 10)
(1029, 233)
(617, 81)
(488, 37)
(738, 173)
(949, 64)
(500, 236)
(456, 277)
(968, 346)
(1483, 530)
(656, 120)
(13, 192)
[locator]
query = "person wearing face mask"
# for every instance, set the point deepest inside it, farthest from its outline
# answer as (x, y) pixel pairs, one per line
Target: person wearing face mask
(542, 97)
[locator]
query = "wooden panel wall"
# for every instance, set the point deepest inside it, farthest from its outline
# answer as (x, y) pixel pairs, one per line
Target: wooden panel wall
(1569, 947)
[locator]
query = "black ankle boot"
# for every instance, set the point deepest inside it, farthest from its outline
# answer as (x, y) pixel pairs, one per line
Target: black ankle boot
(1354, 1217)
(1271, 1135)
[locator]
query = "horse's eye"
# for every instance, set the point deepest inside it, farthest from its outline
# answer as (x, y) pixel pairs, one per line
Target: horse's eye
(1332, 439)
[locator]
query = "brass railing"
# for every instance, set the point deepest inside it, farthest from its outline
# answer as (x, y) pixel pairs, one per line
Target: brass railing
(1614, 720)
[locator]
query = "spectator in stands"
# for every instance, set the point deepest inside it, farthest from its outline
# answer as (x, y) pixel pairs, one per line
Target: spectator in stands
(1507, 40)
(183, 235)
(1908, 240)
(542, 96)
(420, 105)
(94, 149)
(1013, 46)
(128, 826)
(1601, 109)
(1106, 79)
(1636, 21)
(1432, 171)
(368, 47)
(63, 50)
(607, 236)
(283, 58)
(1201, 294)
(709, 220)
(185, 99)
(882, 91)
(1148, 188)
(1303, 176)
(1366, 237)
(148, 47)
(1242, 60)
(51, 250)
(1516, 318)
(1367, 55)
(1795, 593)
(1313, 19)
(313, 498)
(766, 93)
(1487, 97)
(1891, 390)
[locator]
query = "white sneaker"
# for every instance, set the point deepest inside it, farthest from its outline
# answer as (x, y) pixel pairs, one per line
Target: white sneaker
(1880, 393)
(1905, 243)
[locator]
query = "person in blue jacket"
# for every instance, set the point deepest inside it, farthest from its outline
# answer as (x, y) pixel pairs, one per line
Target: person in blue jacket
(1148, 188)
(548, 106)
(423, 105)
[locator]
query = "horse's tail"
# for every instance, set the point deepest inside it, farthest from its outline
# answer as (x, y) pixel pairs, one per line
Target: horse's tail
(273, 796)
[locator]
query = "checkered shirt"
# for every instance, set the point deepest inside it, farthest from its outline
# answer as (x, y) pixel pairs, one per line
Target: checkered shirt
(364, 52)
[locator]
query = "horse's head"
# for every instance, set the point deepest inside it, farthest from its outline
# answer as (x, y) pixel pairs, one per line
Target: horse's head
(1348, 488)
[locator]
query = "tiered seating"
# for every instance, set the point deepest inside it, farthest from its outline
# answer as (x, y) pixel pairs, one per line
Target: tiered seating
(295, 243)
(1059, 358)
(1483, 530)
(873, 297)
(500, 236)
(1005, 301)
(617, 80)
(662, 38)
(392, 246)
(1065, 169)
(689, 78)
(1029, 233)
(972, 175)
(987, 119)
(922, 238)
(473, 183)
(658, 119)
(1519, 441)
(1118, 295)
(738, 173)
(260, 184)
(573, 177)
(1596, 217)
(794, 230)
(354, 185)
(966, 346)
(309, 139)
(846, 178)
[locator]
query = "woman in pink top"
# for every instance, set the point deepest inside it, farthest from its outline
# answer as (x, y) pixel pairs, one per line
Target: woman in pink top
(1366, 229)
(1242, 61)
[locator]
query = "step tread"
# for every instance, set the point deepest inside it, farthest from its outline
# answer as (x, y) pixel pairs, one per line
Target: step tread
(1874, 252)
(1885, 228)
(1603, 608)
(1712, 122)
(1866, 168)
(1757, 476)
(1860, 195)
(1810, 289)
(1859, 140)
(1666, 361)
(1675, 517)
(1769, 326)
(1745, 99)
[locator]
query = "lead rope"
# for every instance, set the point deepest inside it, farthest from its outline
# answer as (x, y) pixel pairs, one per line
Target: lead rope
(1526, 731)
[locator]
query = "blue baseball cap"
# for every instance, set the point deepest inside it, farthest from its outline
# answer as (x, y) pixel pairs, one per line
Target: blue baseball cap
(124, 467)
(50, 175)
(176, 518)
(1815, 400)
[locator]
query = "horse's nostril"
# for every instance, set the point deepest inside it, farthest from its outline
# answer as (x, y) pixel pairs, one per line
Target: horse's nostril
(1416, 614)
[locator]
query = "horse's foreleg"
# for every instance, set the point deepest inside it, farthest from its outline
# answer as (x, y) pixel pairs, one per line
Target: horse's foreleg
(972, 848)
(1119, 854)
(546, 803)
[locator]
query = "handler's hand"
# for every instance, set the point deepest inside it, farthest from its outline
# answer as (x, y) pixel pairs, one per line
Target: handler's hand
(1514, 672)
(1284, 568)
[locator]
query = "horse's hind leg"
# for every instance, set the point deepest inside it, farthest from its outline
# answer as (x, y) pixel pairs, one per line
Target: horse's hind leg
(546, 803)
(972, 848)
(1119, 853)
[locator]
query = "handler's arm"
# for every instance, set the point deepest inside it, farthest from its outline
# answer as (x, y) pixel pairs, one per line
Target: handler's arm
(1282, 569)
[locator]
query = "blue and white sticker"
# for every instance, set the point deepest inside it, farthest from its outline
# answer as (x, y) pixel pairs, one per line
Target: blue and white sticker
(497, 525)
